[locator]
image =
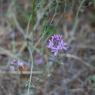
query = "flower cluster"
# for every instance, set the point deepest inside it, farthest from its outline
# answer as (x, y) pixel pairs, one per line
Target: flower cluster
(56, 43)
(16, 64)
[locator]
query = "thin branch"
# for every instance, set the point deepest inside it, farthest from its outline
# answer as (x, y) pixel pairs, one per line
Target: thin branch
(18, 73)
(79, 59)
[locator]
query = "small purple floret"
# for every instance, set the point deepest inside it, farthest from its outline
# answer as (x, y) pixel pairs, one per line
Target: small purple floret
(17, 62)
(56, 43)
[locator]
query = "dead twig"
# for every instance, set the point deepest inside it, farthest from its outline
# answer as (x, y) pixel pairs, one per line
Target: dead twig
(79, 59)
(18, 73)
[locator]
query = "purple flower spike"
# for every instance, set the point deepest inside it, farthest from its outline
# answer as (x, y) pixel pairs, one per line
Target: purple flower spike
(56, 43)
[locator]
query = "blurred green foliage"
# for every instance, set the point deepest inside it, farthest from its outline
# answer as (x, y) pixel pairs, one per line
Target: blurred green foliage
(92, 80)
(48, 30)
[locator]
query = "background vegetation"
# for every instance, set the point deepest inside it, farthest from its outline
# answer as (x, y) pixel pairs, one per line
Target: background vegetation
(26, 26)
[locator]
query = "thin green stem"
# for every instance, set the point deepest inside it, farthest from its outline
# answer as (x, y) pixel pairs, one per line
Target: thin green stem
(77, 14)
(31, 70)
